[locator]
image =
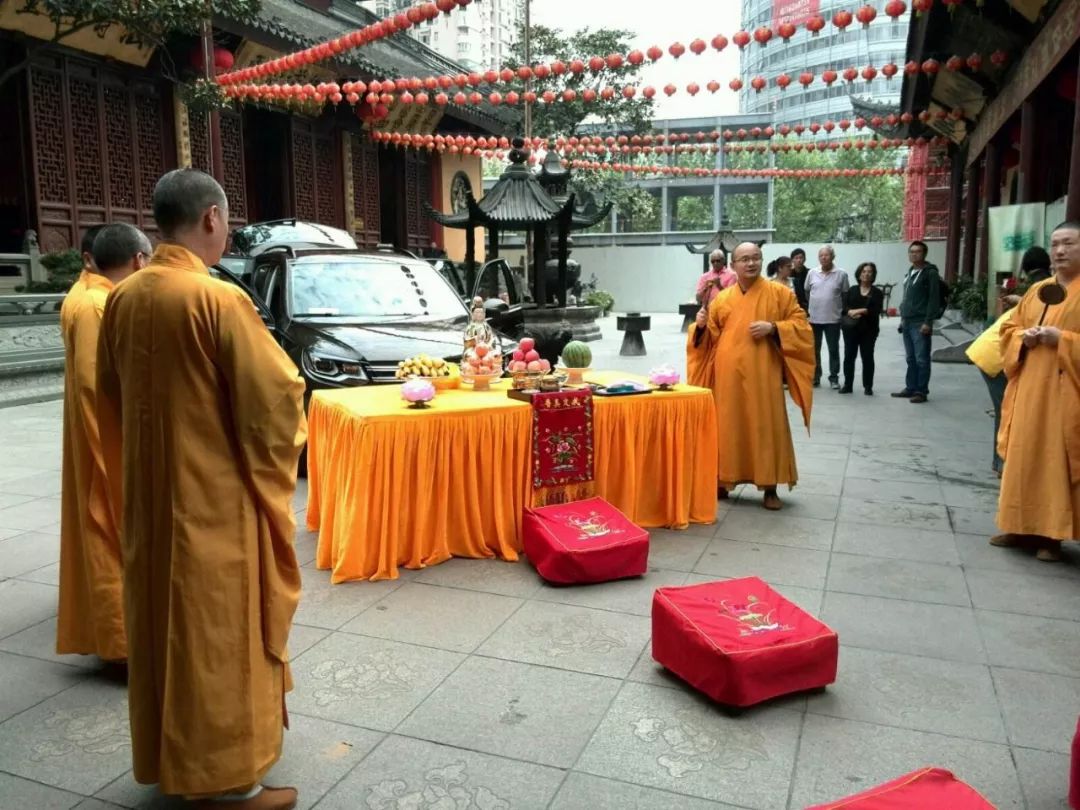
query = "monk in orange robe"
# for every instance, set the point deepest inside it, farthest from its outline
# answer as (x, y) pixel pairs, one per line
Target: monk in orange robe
(206, 412)
(755, 335)
(1039, 437)
(90, 617)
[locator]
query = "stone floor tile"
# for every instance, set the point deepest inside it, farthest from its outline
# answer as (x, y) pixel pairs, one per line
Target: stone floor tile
(517, 579)
(448, 618)
(971, 497)
(38, 485)
(366, 682)
(97, 804)
(870, 466)
(925, 516)
(317, 754)
(10, 498)
(39, 641)
(407, 773)
(40, 514)
(23, 604)
(898, 579)
(906, 492)
(646, 670)
(622, 596)
(517, 710)
(833, 452)
(1028, 594)
(25, 682)
(775, 564)
(28, 552)
(1044, 778)
(302, 638)
(815, 465)
(126, 792)
(782, 530)
(976, 552)
(46, 575)
(22, 794)
(913, 628)
(678, 741)
(675, 551)
(1030, 642)
(305, 545)
(898, 543)
(819, 484)
(973, 521)
(331, 606)
(1040, 710)
(819, 437)
(838, 758)
(568, 637)
(78, 740)
(924, 694)
(580, 790)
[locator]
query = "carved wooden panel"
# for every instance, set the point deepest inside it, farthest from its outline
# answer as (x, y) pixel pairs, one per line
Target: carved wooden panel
(327, 180)
(303, 163)
(417, 192)
(232, 147)
(365, 201)
(120, 149)
(150, 149)
(200, 140)
(47, 119)
(86, 136)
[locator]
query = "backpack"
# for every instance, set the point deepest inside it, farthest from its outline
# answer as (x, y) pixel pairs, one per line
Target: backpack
(944, 291)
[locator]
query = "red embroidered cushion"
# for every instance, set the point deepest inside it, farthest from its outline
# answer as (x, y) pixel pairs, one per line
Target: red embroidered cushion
(925, 789)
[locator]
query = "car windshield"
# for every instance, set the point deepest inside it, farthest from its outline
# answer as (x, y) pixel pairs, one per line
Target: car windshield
(375, 289)
(249, 237)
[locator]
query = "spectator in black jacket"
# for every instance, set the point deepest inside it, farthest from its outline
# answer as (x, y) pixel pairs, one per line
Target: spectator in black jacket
(862, 323)
(798, 276)
(918, 309)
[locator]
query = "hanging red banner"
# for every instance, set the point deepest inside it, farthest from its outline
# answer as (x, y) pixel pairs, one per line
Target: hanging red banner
(796, 12)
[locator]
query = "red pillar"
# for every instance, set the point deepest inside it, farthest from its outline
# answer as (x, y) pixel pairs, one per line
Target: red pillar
(991, 198)
(971, 219)
(1028, 126)
(1072, 205)
(956, 204)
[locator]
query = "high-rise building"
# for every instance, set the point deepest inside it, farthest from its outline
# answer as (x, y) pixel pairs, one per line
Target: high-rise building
(478, 36)
(884, 41)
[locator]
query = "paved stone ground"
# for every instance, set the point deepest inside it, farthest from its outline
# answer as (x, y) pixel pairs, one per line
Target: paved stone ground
(475, 683)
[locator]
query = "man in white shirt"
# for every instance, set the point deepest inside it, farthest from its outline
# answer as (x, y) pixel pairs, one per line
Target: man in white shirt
(826, 285)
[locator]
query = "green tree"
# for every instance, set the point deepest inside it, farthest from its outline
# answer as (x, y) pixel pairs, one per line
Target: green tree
(148, 23)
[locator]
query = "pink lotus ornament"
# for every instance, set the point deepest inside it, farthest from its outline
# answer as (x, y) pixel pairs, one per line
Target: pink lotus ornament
(664, 377)
(418, 393)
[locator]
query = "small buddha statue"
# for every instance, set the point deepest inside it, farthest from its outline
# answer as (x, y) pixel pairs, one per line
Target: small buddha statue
(478, 330)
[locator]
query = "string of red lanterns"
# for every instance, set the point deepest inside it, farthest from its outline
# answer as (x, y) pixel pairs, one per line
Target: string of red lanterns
(821, 146)
(776, 174)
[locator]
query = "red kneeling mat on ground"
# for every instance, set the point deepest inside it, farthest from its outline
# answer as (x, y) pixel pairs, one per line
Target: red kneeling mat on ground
(740, 642)
(925, 789)
(584, 541)
(1074, 772)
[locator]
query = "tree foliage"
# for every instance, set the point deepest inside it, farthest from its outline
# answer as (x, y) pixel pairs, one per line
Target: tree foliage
(866, 209)
(148, 23)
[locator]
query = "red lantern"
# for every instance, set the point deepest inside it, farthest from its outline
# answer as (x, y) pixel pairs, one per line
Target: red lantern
(922, 6)
(407, 98)
(954, 63)
(758, 83)
(895, 8)
(548, 97)
(741, 38)
(569, 95)
(999, 58)
(558, 67)
(930, 67)
(866, 15)
(889, 70)
(911, 68)
(828, 126)
(842, 19)
(860, 122)
(782, 81)
(869, 73)
(712, 86)
(654, 53)
(698, 47)
(577, 67)
(719, 42)
(763, 35)
(974, 62)
(906, 118)
(850, 74)
(815, 24)
(952, 4)
(736, 85)
(495, 99)
(608, 93)
(614, 61)
(799, 129)
(588, 96)
(530, 97)
(806, 78)
(635, 57)
(924, 116)
(445, 82)
(670, 90)
(786, 31)
(815, 127)
(693, 88)
(677, 49)
(460, 98)
(506, 75)
(512, 98)
(222, 58)
(629, 91)
(541, 71)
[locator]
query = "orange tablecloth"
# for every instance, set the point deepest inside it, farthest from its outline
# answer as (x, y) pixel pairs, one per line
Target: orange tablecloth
(390, 486)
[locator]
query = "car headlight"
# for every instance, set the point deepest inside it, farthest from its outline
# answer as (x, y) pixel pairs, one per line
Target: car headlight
(333, 369)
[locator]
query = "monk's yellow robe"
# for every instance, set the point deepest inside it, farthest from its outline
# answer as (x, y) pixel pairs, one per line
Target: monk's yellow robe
(1039, 437)
(699, 364)
(207, 413)
(748, 380)
(91, 617)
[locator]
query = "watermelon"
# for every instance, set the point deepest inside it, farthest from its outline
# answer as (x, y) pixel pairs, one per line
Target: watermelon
(576, 354)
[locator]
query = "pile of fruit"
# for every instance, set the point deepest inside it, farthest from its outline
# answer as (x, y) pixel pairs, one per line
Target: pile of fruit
(423, 366)
(482, 360)
(526, 358)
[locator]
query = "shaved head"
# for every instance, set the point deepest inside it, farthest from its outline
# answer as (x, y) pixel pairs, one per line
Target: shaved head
(116, 246)
(746, 259)
(87, 245)
(182, 198)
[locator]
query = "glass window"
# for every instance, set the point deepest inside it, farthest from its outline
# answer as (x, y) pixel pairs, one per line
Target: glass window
(360, 287)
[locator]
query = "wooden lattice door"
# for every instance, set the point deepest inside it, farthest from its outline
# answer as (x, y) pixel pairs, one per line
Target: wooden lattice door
(365, 187)
(317, 181)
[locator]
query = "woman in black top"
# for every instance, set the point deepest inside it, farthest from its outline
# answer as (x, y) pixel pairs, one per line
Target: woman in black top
(861, 323)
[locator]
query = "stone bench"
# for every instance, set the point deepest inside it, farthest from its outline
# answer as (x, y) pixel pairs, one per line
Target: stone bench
(632, 324)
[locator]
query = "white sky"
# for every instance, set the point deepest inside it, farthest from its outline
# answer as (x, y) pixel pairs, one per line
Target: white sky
(662, 22)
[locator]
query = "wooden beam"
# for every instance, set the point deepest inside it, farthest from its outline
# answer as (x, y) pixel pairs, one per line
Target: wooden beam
(1072, 205)
(971, 219)
(1028, 125)
(956, 202)
(990, 198)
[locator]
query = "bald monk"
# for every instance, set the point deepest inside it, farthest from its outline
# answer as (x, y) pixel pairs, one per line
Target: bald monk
(90, 617)
(206, 412)
(1039, 438)
(754, 335)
